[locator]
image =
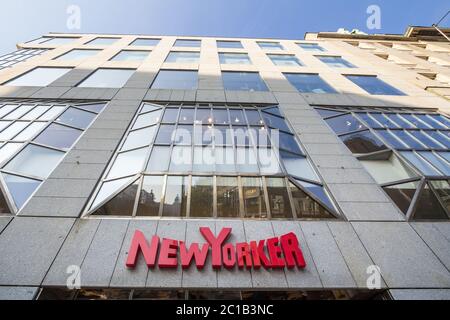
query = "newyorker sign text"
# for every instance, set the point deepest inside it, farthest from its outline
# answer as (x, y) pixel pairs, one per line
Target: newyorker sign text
(276, 252)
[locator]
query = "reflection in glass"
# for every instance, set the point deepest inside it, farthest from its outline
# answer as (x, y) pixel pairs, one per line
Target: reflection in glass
(402, 194)
(227, 197)
(344, 124)
(150, 197)
(122, 204)
(428, 206)
(201, 197)
(280, 206)
(254, 204)
(305, 206)
(362, 142)
(58, 136)
(20, 188)
(175, 199)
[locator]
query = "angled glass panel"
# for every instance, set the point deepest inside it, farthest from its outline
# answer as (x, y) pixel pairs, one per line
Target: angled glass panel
(259, 136)
(430, 121)
(159, 159)
(4, 208)
(246, 160)
(305, 206)
(147, 119)
(428, 206)
(181, 159)
(415, 121)
(188, 43)
(175, 199)
(149, 107)
(145, 42)
(253, 117)
(107, 78)
(229, 44)
(440, 137)
(275, 122)
(12, 130)
(51, 113)
(101, 41)
(183, 57)
(20, 188)
(35, 113)
(227, 197)
(268, 160)
(220, 116)
(317, 191)
(128, 163)
(270, 45)
(440, 118)
(224, 158)
(298, 166)
(399, 120)
(150, 197)
(391, 169)
(30, 131)
(369, 120)
(439, 163)
(429, 143)
(445, 155)
(374, 85)
(402, 194)
(201, 197)
(362, 142)
(237, 117)
(8, 149)
(77, 118)
(420, 164)
(403, 138)
(139, 138)
(308, 82)
(108, 188)
(58, 136)
(122, 204)
(170, 115)
(384, 121)
(57, 41)
(311, 47)
(204, 159)
(35, 161)
(203, 116)
(273, 110)
(324, 113)
(187, 115)
(284, 60)
(253, 195)
(131, 55)
(243, 81)
(165, 134)
(335, 62)
(344, 124)
(78, 54)
(7, 108)
(285, 141)
(176, 79)
(280, 206)
(442, 188)
(20, 111)
(39, 77)
(234, 58)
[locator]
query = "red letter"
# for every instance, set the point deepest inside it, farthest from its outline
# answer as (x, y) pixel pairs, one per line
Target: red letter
(168, 254)
(291, 249)
(274, 253)
(243, 253)
(216, 244)
(199, 256)
(229, 256)
(259, 256)
(139, 243)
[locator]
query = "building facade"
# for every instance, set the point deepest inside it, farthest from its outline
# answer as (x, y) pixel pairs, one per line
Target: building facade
(340, 142)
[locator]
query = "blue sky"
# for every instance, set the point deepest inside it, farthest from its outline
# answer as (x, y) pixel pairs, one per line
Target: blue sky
(22, 20)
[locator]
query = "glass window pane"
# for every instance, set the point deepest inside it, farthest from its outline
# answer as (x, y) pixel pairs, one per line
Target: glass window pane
(362, 142)
(268, 160)
(183, 57)
(223, 135)
(203, 116)
(147, 119)
(51, 113)
(305, 82)
(20, 188)
(270, 45)
(108, 188)
(286, 142)
(428, 206)
(7, 108)
(245, 81)
(440, 118)
(280, 206)
(275, 122)
(324, 113)
(335, 62)
(8, 149)
(39, 77)
(241, 136)
(229, 44)
(237, 117)
(402, 194)
(58, 136)
(122, 204)
(204, 160)
(441, 138)
(76, 118)
(404, 137)
(35, 113)
(175, 199)
(253, 117)
(298, 166)
(170, 115)
(159, 159)
(391, 169)
(253, 195)
(420, 164)
(56, 41)
(20, 111)
(139, 138)
(227, 197)
(181, 159)
(101, 41)
(305, 206)
(425, 139)
(12, 130)
(220, 116)
(384, 121)
(344, 124)
(284, 60)
(369, 120)
(442, 188)
(234, 58)
(35, 161)
(436, 161)
(273, 110)
(188, 43)
(374, 85)
(145, 42)
(176, 79)
(78, 54)
(415, 121)
(201, 197)
(107, 78)
(128, 163)
(165, 134)
(259, 136)
(30, 131)
(246, 160)
(187, 115)
(150, 197)
(310, 47)
(430, 121)
(399, 121)
(129, 55)
(317, 191)
(224, 159)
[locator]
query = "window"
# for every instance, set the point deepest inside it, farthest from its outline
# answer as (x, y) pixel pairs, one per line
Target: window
(188, 43)
(54, 41)
(245, 81)
(39, 77)
(270, 45)
(308, 82)
(373, 85)
(234, 58)
(335, 62)
(145, 42)
(284, 60)
(101, 41)
(176, 79)
(208, 160)
(33, 140)
(311, 47)
(78, 54)
(129, 55)
(10, 59)
(107, 78)
(229, 44)
(183, 57)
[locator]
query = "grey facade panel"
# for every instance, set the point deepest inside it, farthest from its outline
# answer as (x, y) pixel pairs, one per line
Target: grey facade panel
(435, 240)
(420, 294)
(18, 293)
(4, 222)
(28, 246)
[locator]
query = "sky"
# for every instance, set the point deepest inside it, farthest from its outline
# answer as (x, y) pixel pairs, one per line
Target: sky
(23, 20)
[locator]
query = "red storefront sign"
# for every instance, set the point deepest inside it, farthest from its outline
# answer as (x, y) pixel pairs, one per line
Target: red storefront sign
(276, 252)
